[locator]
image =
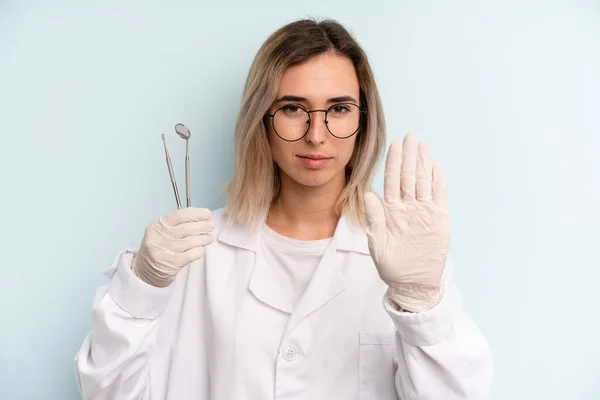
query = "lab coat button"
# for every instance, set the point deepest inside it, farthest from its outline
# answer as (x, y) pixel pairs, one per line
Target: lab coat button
(290, 353)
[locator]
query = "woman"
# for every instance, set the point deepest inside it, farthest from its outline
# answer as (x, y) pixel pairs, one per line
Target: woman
(286, 303)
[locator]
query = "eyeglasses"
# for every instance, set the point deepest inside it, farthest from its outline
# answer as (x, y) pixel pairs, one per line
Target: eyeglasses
(292, 121)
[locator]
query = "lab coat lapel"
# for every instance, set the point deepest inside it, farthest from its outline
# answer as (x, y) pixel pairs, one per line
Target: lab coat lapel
(328, 281)
(264, 286)
(262, 283)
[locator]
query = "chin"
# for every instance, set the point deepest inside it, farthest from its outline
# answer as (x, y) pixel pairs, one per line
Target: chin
(313, 178)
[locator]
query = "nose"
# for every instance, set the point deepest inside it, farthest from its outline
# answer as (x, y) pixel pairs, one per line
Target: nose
(317, 132)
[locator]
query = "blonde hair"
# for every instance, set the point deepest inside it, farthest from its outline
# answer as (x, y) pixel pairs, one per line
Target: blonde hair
(255, 183)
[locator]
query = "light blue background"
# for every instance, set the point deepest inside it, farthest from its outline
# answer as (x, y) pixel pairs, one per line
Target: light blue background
(507, 93)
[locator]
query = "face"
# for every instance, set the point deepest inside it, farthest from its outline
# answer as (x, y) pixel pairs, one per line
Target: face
(319, 157)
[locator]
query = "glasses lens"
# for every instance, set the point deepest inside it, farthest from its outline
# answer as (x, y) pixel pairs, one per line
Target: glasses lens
(291, 122)
(343, 120)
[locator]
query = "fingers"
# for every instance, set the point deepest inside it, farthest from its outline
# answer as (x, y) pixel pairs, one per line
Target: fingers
(409, 167)
(391, 182)
(424, 172)
(188, 214)
(440, 193)
(410, 175)
(187, 229)
(186, 244)
(192, 255)
(182, 230)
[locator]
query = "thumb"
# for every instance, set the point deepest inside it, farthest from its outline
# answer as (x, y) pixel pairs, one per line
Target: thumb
(375, 214)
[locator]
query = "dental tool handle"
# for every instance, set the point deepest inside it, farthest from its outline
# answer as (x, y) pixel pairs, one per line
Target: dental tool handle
(171, 174)
(177, 199)
(188, 193)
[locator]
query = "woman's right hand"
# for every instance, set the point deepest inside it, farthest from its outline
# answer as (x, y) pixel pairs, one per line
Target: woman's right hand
(172, 242)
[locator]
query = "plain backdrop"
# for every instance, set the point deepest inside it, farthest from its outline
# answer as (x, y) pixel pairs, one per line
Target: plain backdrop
(506, 92)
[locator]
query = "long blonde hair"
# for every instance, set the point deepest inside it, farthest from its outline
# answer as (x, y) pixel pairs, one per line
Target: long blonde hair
(255, 183)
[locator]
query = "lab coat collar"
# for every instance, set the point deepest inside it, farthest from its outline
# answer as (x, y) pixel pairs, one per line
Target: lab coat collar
(240, 235)
(348, 236)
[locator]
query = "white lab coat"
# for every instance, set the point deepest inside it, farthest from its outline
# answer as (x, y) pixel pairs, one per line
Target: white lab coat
(217, 333)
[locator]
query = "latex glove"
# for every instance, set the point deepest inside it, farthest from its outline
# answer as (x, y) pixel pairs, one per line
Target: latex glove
(409, 233)
(172, 242)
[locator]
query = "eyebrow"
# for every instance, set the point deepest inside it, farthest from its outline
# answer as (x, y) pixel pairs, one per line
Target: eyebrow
(339, 99)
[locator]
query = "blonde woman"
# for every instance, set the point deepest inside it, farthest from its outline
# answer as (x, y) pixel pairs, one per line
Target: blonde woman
(307, 285)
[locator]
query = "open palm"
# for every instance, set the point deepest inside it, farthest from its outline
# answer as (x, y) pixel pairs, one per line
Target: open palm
(409, 232)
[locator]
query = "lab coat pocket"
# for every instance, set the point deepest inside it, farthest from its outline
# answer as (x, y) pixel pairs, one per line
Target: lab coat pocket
(377, 366)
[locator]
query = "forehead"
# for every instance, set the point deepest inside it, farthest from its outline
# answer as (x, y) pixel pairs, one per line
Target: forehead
(320, 78)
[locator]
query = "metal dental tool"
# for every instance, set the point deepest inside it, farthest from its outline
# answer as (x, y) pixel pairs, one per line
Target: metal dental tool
(171, 172)
(185, 134)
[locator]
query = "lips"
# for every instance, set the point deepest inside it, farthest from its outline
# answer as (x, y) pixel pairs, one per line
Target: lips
(314, 157)
(314, 161)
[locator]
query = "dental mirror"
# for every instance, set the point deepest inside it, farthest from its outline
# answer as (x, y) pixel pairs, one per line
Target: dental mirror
(183, 131)
(185, 134)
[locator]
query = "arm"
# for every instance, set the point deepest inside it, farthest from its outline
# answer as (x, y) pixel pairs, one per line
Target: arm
(441, 353)
(113, 362)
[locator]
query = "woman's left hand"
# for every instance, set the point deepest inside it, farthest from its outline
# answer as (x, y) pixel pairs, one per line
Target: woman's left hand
(409, 233)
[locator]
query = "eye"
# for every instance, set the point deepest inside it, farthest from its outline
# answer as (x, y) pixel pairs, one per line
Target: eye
(340, 109)
(292, 109)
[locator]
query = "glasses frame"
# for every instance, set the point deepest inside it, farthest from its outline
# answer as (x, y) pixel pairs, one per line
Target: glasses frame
(309, 112)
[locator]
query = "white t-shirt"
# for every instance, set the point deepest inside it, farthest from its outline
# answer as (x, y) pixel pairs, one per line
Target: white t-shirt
(292, 263)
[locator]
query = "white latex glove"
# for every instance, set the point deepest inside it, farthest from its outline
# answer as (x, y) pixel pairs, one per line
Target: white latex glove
(409, 233)
(172, 242)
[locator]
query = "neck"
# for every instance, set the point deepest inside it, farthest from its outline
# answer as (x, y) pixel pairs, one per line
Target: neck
(305, 212)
